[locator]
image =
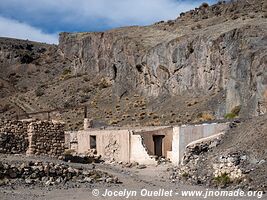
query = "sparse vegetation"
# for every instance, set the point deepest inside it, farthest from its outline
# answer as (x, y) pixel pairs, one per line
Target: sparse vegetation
(234, 113)
(205, 116)
(104, 83)
(39, 92)
(222, 180)
(66, 71)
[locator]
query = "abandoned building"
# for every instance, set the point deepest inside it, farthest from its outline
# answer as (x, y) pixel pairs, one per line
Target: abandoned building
(142, 145)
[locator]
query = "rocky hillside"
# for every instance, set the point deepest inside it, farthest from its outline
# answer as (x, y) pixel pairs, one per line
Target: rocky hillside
(237, 160)
(207, 64)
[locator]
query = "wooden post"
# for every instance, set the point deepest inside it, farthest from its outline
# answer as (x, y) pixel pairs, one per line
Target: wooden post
(85, 111)
(48, 116)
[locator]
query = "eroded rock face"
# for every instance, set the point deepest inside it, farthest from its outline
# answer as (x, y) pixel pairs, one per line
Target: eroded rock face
(205, 63)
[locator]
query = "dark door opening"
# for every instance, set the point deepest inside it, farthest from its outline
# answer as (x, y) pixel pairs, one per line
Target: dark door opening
(92, 142)
(158, 144)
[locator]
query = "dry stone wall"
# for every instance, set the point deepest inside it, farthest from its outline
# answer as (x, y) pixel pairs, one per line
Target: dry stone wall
(32, 137)
(46, 138)
(13, 137)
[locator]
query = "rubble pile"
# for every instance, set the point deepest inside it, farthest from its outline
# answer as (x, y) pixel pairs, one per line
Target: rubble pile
(85, 159)
(228, 169)
(48, 173)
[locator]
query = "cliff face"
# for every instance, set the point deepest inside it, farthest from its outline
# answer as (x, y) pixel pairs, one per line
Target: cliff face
(229, 57)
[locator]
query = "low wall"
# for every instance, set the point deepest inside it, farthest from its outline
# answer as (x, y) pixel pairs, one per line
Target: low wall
(13, 137)
(32, 137)
(184, 135)
(46, 138)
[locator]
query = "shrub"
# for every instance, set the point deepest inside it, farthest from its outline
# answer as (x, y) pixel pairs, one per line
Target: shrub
(230, 116)
(26, 59)
(222, 180)
(39, 92)
(204, 5)
(66, 71)
(104, 83)
(205, 116)
(199, 26)
(5, 108)
(234, 112)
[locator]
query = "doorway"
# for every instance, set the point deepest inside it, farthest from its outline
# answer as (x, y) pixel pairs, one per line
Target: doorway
(158, 141)
(92, 142)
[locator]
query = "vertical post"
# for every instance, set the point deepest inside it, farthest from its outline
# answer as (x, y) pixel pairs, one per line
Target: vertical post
(85, 112)
(48, 116)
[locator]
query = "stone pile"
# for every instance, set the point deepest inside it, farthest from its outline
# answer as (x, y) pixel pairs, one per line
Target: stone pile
(47, 173)
(229, 166)
(13, 137)
(220, 171)
(189, 169)
(85, 159)
(195, 150)
(46, 138)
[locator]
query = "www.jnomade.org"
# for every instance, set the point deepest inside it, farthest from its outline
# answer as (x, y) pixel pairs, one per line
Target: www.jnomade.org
(169, 193)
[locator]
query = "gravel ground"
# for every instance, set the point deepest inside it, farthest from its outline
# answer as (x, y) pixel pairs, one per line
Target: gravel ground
(151, 178)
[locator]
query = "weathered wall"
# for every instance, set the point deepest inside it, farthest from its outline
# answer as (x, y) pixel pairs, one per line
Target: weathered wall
(139, 152)
(32, 137)
(184, 135)
(13, 137)
(111, 144)
(71, 141)
(149, 143)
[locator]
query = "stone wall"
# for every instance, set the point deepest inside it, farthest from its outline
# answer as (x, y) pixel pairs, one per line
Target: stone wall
(13, 137)
(32, 137)
(46, 138)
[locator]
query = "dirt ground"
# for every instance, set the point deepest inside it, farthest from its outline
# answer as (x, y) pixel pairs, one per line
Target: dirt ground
(151, 178)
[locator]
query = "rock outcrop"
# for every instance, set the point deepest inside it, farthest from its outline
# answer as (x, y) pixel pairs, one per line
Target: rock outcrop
(228, 57)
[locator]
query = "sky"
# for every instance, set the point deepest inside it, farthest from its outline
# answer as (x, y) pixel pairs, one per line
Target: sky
(43, 20)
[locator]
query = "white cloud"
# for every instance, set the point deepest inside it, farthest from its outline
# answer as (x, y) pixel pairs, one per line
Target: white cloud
(86, 15)
(114, 12)
(15, 29)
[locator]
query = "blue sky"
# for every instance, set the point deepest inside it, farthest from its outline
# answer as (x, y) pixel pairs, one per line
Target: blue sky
(42, 20)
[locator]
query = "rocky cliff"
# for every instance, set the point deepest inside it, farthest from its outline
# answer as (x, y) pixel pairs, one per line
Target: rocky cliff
(228, 56)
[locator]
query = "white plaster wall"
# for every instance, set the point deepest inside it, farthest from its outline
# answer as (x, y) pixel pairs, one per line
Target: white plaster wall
(184, 135)
(138, 153)
(83, 138)
(110, 144)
